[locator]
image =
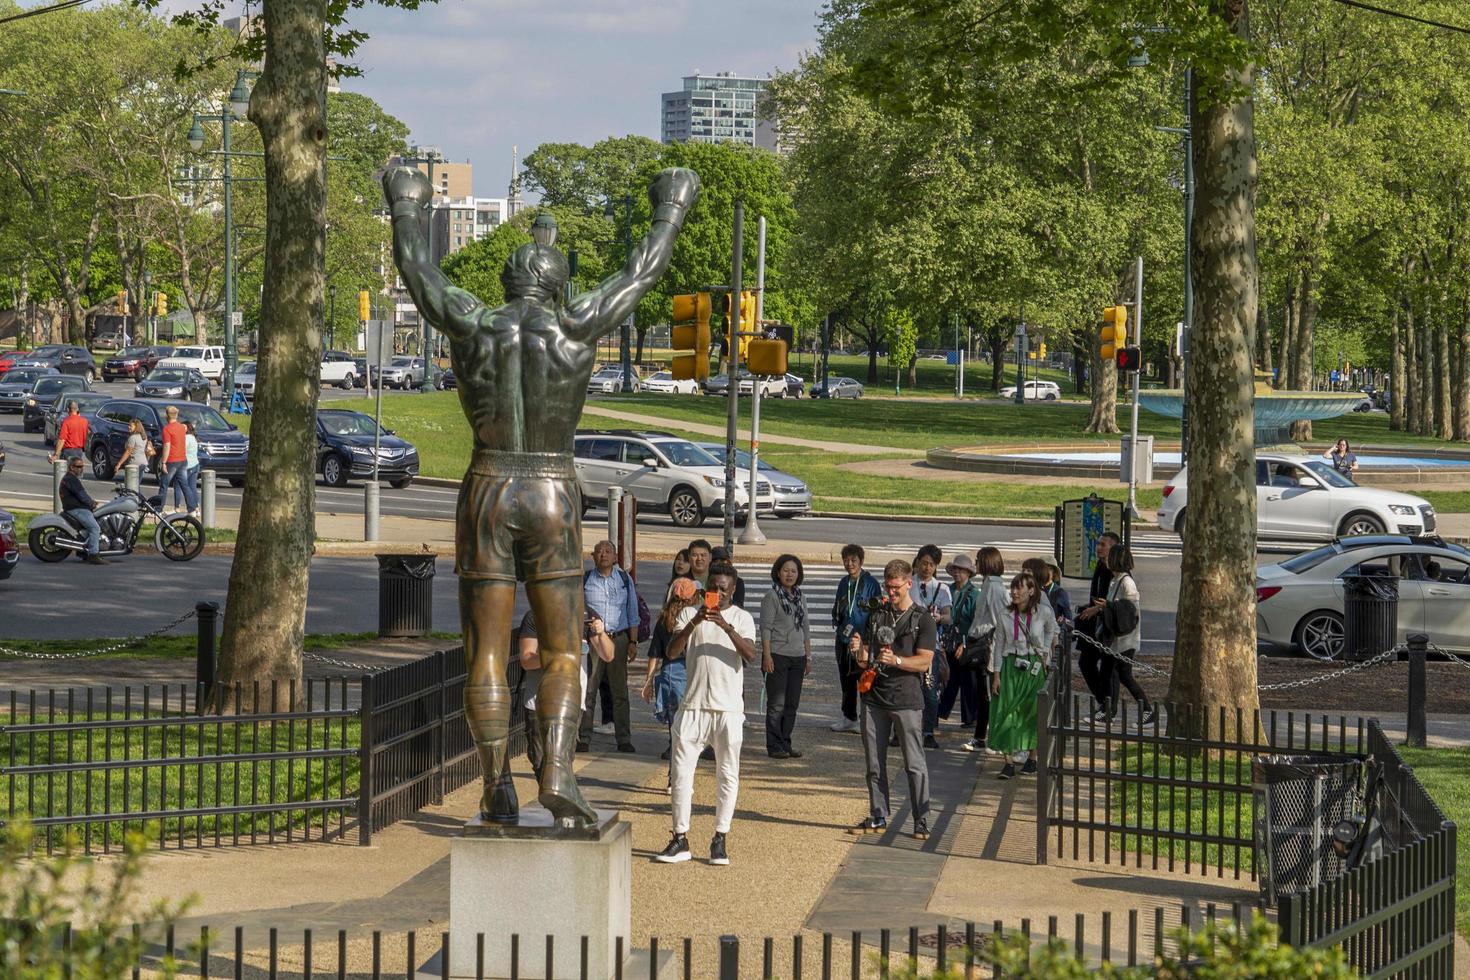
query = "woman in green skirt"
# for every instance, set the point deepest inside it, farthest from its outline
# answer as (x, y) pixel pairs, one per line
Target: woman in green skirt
(1019, 660)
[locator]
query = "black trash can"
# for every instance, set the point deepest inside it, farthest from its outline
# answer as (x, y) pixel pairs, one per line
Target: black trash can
(405, 594)
(1370, 619)
(1299, 799)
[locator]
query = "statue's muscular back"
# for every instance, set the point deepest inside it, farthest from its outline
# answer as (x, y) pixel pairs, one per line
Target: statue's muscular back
(522, 380)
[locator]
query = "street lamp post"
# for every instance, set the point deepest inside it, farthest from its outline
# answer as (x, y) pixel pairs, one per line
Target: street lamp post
(626, 356)
(332, 315)
(235, 110)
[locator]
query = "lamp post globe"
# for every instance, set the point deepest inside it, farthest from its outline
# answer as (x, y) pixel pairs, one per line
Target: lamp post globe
(196, 135)
(240, 97)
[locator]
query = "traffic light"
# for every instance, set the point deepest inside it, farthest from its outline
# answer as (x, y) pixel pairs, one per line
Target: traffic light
(1130, 359)
(122, 302)
(160, 304)
(364, 305)
(1041, 354)
(1114, 332)
(691, 333)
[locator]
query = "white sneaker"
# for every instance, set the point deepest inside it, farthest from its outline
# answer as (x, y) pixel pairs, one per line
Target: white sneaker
(195, 514)
(973, 746)
(606, 729)
(844, 725)
(990, 751)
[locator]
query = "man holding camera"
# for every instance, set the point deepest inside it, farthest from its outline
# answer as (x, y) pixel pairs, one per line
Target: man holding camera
(717, 640)
(894, 653)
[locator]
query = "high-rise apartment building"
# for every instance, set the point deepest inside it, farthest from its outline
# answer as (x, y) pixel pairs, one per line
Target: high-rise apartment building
(449, 179)
(715, 109)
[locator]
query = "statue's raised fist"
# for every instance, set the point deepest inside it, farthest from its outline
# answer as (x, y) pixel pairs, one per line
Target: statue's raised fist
(407, 184)
(676, 185)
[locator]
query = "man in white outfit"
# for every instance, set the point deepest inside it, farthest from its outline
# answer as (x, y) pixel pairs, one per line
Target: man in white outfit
(716, 641)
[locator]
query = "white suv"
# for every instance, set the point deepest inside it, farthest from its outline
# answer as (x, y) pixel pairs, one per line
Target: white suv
(1302, 498)
(208, 361)
(663, 471)
(1047, 391)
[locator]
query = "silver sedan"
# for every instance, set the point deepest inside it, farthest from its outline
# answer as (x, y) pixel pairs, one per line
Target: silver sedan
(1299, 602)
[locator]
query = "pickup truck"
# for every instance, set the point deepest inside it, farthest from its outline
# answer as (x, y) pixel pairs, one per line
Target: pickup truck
(339, 368)
(208, 361)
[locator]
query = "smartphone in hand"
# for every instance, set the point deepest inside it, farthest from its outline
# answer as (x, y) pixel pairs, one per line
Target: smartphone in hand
(711, 600)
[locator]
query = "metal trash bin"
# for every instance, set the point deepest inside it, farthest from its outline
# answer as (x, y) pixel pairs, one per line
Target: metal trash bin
(1370, 615)
(405, 594)
(1298, 800)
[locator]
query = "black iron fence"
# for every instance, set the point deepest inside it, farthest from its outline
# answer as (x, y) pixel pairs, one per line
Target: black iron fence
(1393, 915)
(194, 770)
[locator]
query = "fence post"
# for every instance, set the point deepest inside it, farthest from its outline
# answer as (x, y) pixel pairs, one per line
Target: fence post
(132, 476)
(205, 656)
(729, 958)
(1418, 726)
(365, 762)
(58, 470)
(207, 482)
(439, 727)
(1043, 771)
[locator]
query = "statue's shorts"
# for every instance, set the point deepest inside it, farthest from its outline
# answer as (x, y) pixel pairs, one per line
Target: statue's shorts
(517, 518)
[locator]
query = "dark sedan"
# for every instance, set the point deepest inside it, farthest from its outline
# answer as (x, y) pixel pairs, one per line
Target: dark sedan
(344, 442)
(837, 388)
(9, 546)
(63, 358)
(87, 403)
(16, 384)
(171, 382)
(445, 381)
(222, 447)
(43, 392)
(134, 362)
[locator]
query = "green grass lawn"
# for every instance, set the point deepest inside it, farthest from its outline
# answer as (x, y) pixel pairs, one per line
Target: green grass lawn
(1445, 774)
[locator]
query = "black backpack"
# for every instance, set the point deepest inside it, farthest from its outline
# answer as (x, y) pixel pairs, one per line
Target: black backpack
(1120, 617)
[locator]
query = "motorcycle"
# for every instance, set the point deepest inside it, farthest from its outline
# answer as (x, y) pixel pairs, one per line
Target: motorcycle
(178, 537)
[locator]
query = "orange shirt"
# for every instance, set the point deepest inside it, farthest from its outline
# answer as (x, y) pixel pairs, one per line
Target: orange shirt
(174, 435)
(73, 433)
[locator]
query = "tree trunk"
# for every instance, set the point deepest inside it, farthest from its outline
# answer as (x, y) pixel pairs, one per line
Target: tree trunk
(1396, 370)
(1423, 350)
(1410, 392)
(1079, 359)
(641, 331)
(1443, 412)
(1462, 377)
(1288, 335)
(1304, 375)
(1103, 415)
(265, 617)
(997, 358)
(1215, 646)
(1263, 338)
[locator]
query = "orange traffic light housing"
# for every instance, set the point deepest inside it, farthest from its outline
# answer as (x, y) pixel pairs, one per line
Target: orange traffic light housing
(691, 333)
(1114, 333)
(364, 305)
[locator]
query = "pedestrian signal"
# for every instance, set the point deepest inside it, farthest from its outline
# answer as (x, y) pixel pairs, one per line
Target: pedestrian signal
(1130, 359)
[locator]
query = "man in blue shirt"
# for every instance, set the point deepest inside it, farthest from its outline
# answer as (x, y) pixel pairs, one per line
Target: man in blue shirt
(849, 617)
(610, 595)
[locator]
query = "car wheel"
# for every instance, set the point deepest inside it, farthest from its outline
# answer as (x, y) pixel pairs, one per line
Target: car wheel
(347, 383)
(1050, 397)
(784, 516)
(1360, 523)
(1320, 635)
(237, 482)
(685, 508)
(101, 462)
(335, 470)
(401, 484)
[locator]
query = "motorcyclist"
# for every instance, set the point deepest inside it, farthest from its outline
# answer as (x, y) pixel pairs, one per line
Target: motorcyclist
(78, 505)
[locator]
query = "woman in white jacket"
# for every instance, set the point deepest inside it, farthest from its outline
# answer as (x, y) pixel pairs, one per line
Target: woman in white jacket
(1020, 659)
(1119, 672)
(990, 607)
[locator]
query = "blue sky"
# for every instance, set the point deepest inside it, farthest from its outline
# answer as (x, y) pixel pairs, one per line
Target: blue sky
(476, 76)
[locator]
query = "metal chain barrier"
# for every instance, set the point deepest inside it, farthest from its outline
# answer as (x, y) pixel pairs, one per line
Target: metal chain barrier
(99, 651)
(1383, 657)
(345, 664)
(1147, 669)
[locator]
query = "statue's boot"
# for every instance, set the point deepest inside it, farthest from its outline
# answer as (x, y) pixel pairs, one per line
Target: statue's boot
(499, 803)
(559, 792)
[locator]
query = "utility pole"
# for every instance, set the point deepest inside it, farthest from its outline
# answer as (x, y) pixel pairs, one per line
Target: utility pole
(959, 357)
(1133, 427)
(732, 377)
(752, 533)
(1021, 357)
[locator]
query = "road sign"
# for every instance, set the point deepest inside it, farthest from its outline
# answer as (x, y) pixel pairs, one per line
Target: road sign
(1336, 376)
(237, 319)
(1078, 525)
(952, 358)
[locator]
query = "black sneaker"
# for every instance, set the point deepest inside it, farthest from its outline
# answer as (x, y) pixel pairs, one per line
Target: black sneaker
(627, 747)
(793, 754)
(930, 742)
(717, 853)
(869, 825)
(1150, 714)
(1029, 769)
(779, 754)
(1007, 771)
(921, 829)
(676, 852)
(708, 753)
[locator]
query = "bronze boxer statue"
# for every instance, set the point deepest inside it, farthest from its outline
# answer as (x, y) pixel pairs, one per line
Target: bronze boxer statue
(522, 373)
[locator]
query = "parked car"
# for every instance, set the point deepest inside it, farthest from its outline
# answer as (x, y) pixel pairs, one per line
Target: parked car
(63, 358)
(837, 388)
(770, 387)
(208, 361)
(403, 372)
(1302, 498)
(169, 382)
(87, 403)
(360, 367)
(610, 379)
(795, 385)
(663, 471)
(16, 385)
(1046, 391)
(790, 495)
(663, 382)
(222, 447)
(445, 381)
(344, 445)
(245, 379)
(339, 368)
(9, 546)
(43, 392)
(1299, 602)
(1365, 404)
(8, 359)
(134, 362)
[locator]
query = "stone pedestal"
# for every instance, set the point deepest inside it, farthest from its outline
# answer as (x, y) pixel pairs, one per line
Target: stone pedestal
(535, 880)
